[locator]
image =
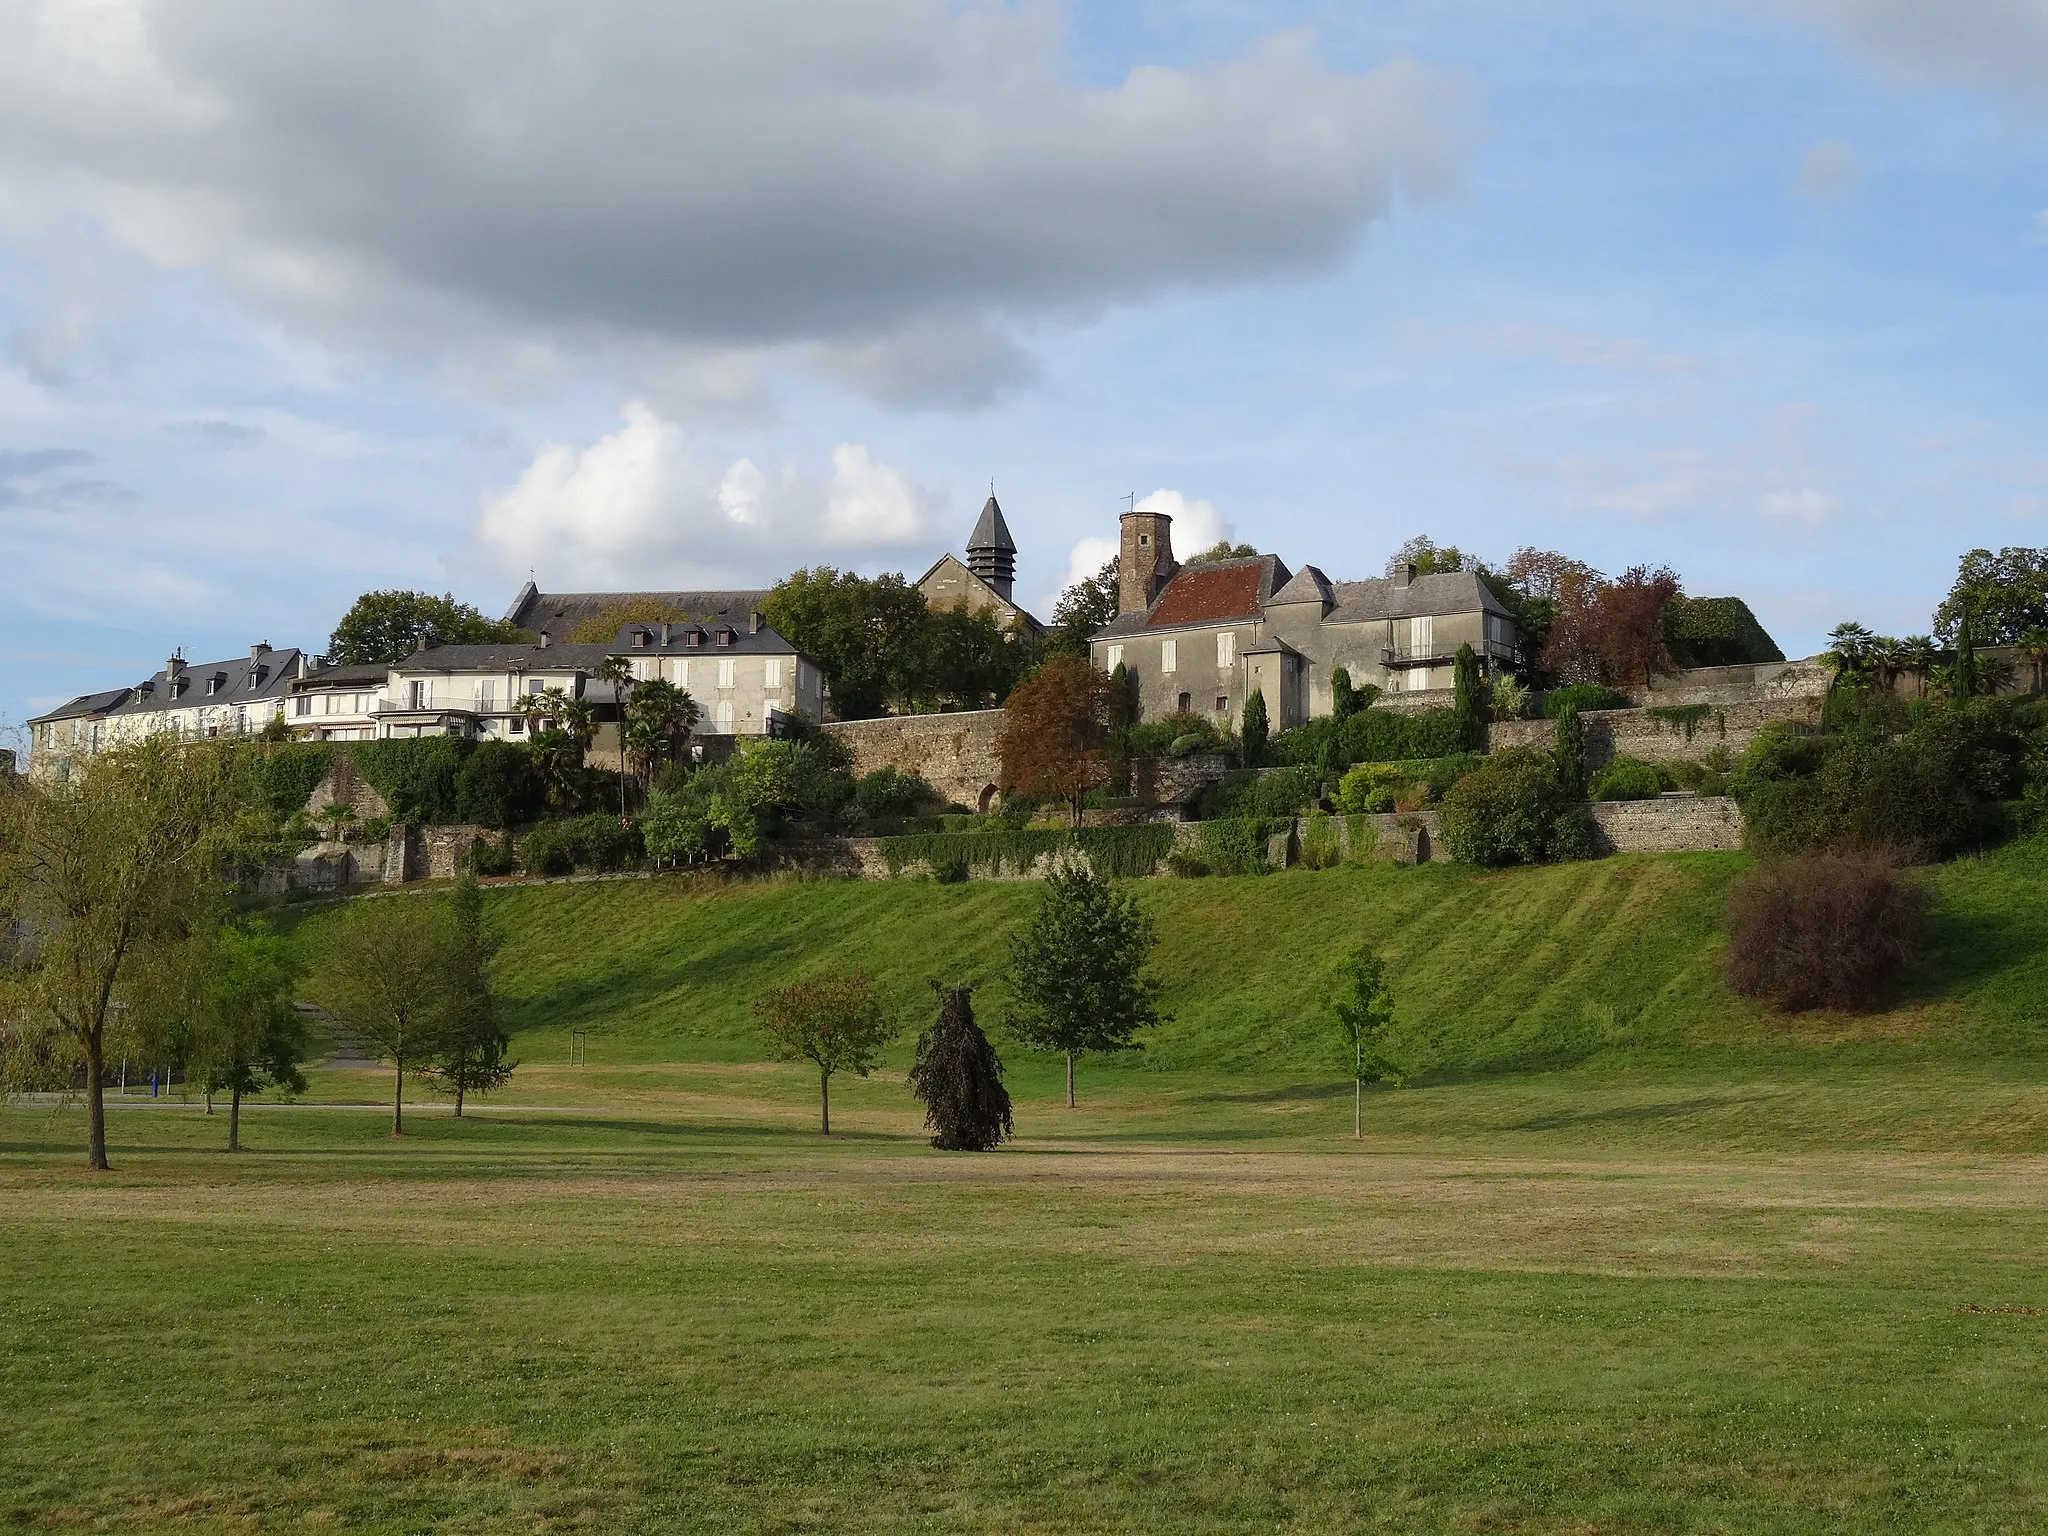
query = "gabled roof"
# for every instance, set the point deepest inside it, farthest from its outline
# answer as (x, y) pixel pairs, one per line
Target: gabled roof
(85, 705)
(559, 657)
(560, 612)
(1361, 602)
(972, 575)
(1214, 592)
(991, 532)
(246, 679)
(765, 641)
(1309, 586)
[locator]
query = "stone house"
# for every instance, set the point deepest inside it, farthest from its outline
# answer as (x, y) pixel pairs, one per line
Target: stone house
(1203, 638)
(986, 579)
(190, 700)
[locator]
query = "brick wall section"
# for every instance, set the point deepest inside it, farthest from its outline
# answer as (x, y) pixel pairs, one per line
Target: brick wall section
(958, 754)
(1613, 732)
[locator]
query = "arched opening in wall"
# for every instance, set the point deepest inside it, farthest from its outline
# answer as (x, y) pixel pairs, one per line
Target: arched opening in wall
(987, 801)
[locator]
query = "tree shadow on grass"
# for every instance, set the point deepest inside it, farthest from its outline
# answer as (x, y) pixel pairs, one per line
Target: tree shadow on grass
(1292, 1093)
(1633, 1114)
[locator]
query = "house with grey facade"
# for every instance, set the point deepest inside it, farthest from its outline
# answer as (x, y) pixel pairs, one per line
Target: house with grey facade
(1202, 638)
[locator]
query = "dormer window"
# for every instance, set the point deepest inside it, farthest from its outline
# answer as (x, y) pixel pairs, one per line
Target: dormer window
(640, 639)
(694, 639)
(727, 636)
(213, 683)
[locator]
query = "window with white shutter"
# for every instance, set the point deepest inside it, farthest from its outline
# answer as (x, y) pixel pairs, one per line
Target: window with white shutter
(725, 676)
(1226, 648)
(1169, 655)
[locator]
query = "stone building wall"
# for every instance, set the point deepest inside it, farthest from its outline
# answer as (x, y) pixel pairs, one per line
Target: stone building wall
(958, 754)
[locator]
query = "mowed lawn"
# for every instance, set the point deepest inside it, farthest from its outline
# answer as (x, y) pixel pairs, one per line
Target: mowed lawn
(1684, 1295)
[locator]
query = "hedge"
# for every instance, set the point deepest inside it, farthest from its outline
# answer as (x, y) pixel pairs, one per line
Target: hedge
(1370, 788)
(284, 776)
(1715, 632)
(1582, 697)
(1125, 852)
(1370, 736)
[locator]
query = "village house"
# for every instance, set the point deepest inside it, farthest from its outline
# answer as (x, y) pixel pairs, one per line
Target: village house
(1202, 638)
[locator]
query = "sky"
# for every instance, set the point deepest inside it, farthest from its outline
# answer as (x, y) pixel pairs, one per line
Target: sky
(299, 300)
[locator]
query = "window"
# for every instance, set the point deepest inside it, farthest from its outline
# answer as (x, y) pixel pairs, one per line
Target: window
(682, 672)
(725, 680)
(727, 636)
(486, 696)
(303, 704)
(723, 715)
(1186, 704)
(774, 677)
(1226, 648)
(422, 695)
(1169, 655)
(519, 725)
(1222, 704)
(1421, 636)
(1115, 656)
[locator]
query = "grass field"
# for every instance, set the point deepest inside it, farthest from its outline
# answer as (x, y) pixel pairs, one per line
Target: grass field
(1625, 1256)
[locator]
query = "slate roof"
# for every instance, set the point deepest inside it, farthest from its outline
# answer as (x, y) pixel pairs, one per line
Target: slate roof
(764, 642)
(343, 677)
(104, 702)
(1361, 602)
(245, 679)
(557, 657)
(1309, 586)
(991, 532)
(560, 612)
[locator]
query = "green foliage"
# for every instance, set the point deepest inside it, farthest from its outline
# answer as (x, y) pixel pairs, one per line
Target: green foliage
(1627, 778)
(1122, 852)
(546, 850)
(1237, 845)
(1284, 793)
(775, 779)
(1373, 789)
(1581, 697)
(1686, 718)
(1469, 708)
(416, 777)
(1513, 810)
(387, 967)
(958, 1078)
(1253, 733)
(1320, 848)
(2003, 596)
(1345, 700)
(282, 777)
(1362, 1001)
(1221, 550)
(248, 1037)
(886, 793)
(498, 786)
(1174, 735)
(1385, 736)
(475, 1053)
(836, 1021)
(677, 828)
(1568, 752)
(1509, 699)
(1429, 557)
(1077, 970)
(1715, 632)
(879, 643)
(491, 856)
(390, 626)
(1081, 610)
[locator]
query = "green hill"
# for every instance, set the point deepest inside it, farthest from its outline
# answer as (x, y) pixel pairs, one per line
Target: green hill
(1494, 972)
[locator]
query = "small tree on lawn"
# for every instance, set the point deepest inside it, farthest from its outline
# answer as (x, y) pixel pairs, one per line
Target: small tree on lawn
(1364, 1006)
(473, 1046)
(959, 1078)
(1256, 729)
(1078, 969)
(833, 1021)
(1055, 725)
(248, 1037)
(387, 968)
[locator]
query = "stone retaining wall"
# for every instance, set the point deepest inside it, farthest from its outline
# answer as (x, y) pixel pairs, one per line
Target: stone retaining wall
(1611, 733)
(958, 754)
(1674, 824)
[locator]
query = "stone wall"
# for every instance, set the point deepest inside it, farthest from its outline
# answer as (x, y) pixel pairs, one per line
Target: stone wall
(958, 754)
(1673, 824)
(344, 784)
(1635, 732)
(1761, 682)
(1176, 780)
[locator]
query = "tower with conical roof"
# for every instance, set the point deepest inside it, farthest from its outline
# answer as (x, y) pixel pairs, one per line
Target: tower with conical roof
(991, 552)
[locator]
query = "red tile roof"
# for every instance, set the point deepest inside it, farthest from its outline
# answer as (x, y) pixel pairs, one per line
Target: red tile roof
(1200, 594)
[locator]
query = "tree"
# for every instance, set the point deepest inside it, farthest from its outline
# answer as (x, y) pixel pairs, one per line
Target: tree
(1344, 699)
(2033, 649)
(660, 718)
(832, 1020)
(249, 1036)
(2003, 596)
(618, 671)
(559, 761)
(390, 626)
(1077, 970)
(472, 1057)
(1467, 706)
(99, 878)
(1222, 549)
(869, 636)
(1082, 609)
(387, 967)
(1364, 1007)
(1569, 752)
(1055, 726)
(959, 1078)
(1429, 558)
(497, 786)
(1255, 730)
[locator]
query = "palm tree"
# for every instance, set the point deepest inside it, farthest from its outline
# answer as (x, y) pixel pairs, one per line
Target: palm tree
(557, 756)
(649, 748)
(541, 710)
(1919, 655)
(618, 671)
(579, 719)
(667, 708)
(1849, 648)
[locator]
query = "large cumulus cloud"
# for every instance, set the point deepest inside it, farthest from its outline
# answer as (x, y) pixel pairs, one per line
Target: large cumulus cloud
(872, 177)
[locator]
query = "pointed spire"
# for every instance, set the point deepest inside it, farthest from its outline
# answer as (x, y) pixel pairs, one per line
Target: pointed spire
(991, 552)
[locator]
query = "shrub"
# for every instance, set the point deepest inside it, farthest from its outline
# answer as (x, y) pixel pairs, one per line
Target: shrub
(1581, 697)
(1319, 846)
(1627, 778)
(546, 850)
(282, 777)
(1823, 930)
(601, 842)
(1373, 789)
(490, 856)
(416, 777)
(498, 786)
(886, 792)
(1163, 737)
(1236, 846)
(1281, 795)
(1513, 811)
(1382, 736)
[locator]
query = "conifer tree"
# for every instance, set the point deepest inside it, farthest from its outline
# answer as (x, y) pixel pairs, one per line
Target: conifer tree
(1466, 707)
(959, 1078)
(1077, 969)
(1570, 752)
(1255, 729)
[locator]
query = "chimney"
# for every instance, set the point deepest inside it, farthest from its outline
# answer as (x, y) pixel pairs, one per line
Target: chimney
(543, 641)
(1405, 576)
(667, 634)
(1145, 560)
(259, 650)
(753, 623)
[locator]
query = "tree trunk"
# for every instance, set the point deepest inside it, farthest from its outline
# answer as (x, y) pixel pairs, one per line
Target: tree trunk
(1357, 1110)
(824, 1102)
(398, 1099)
(95, 1104)
(235, 1120)
(209, 1096)
(461, 1082)
(1070, 1079)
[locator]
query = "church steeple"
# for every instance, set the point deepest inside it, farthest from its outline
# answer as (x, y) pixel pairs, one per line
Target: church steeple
(991, 552)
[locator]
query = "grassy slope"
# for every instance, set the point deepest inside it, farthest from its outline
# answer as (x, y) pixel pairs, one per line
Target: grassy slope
(1512, 970)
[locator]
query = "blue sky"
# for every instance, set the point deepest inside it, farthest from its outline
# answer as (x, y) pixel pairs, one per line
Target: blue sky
(1753, 289)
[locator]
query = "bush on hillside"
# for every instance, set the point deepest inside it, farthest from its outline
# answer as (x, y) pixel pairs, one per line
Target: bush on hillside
(886, 792)
(491, 856)
(1825, 930)
(282, 777)
(1626, 778)
(1377, 788)
(546, 850)
(1582, 697)
(498, 787)
(416, 777)
(1279, 795)
(1168, 736)
(1369, 735)
(1512, 810)
(602, 842)
(1237, 846)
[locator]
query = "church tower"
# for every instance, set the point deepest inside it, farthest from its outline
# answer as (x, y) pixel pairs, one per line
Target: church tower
(991, 552)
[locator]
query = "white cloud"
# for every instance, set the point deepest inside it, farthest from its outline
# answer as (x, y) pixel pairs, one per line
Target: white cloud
(1994, 45)
(1801, 504)
(1083, 560)
(891, 184)
(1827, 170)
(1196, 524)
(637, 508)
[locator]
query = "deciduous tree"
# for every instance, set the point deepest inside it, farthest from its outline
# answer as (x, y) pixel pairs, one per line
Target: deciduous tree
(959, 1078)
(836, 1021)
(387, 967)
(99, 878)
(1081, 610)
(249, 1037)
(1363, 1003)
(1077, 969)
(390, 625)
(2003, 595)
(472, 1058)
(1054, 730)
